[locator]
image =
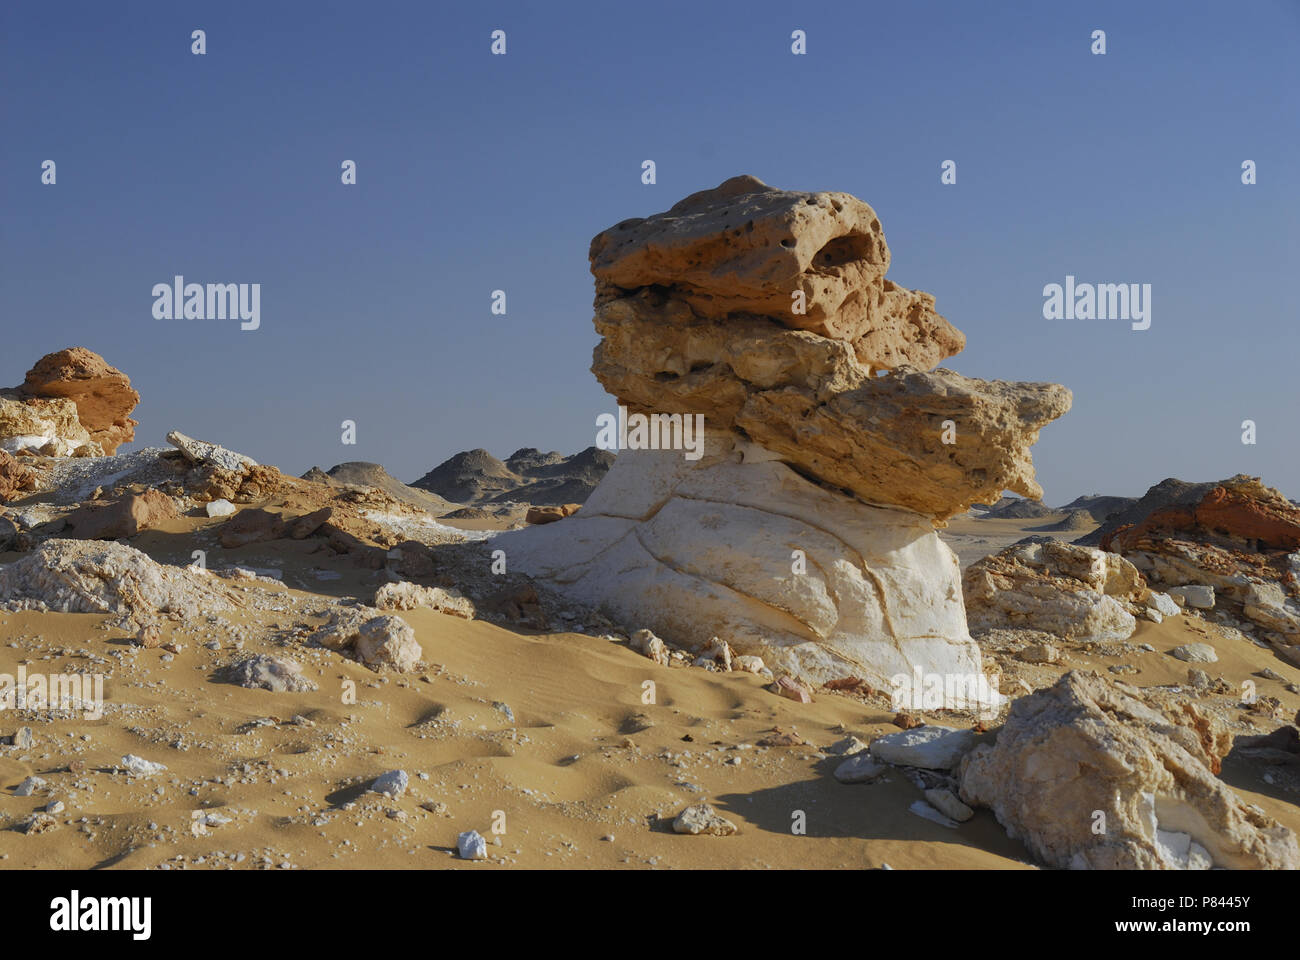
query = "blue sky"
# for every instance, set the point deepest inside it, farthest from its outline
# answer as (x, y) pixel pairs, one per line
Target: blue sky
(480, 172)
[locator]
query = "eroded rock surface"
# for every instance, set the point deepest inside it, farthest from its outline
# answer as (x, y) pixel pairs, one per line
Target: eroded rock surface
(1058, 588)
(102, 394)
(803, 532)
(1086, 745)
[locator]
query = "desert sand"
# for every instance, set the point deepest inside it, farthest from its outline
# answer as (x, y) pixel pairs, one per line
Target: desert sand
(291, 769)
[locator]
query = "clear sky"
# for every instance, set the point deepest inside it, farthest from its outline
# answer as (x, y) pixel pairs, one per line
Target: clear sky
(478, 172)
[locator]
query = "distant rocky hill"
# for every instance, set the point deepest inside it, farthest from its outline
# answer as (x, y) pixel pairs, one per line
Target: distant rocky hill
(527, 476)
(1100, 506)
(362, 474)
(1166, 493)
(1074, 521)
(1018, 508)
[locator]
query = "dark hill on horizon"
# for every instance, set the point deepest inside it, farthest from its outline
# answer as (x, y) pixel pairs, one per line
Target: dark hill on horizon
(527, 476)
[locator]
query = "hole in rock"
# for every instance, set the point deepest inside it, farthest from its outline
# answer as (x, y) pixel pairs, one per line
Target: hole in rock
(842, 250)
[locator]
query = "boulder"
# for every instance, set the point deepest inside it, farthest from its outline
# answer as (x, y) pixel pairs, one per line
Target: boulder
(251, 526)
(1059, 588)
(1199, 596)
(929, 747)
(1088, 753)
(378, 640)
(202, 452)
(647, 644)
(124, 517)
(102, 395)
(860, 768)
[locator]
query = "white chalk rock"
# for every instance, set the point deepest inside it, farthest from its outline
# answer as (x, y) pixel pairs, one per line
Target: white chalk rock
(738, 545)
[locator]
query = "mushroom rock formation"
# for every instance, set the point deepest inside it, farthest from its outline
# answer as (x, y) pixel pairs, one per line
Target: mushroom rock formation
(102, 394)
(804, 530)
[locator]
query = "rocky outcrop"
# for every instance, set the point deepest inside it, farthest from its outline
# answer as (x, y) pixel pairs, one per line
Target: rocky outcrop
(1089, 776)
(1238, 537)
(802, 530)
(747, 248)
(739, 546)
(202, 452)
(43, 427)
(102, 394)
(82, 576)
(1058, 588)
(16, 478)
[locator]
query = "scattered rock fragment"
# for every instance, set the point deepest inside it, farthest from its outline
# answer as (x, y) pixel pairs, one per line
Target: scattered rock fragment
(200, 451)
(140, 767)
(647, 644)
(267, 672)
(790, 688)
(471, 846)
(29, 786)
(1195, 653)
(860, 768)
(846, 747)
(409, 596)
(392, 784)
(927, 812)
(929, 747)
(702, 818)
(947, 803)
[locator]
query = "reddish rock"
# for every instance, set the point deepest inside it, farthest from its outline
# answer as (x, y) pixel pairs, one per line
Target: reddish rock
(102, 393)
(1241, 509)
(846, 683)
(251, 526)
(906, 721)
(777, 737)
(124, 517)
(791, 689)
(15, 478)
(538, 515)
(304, 526)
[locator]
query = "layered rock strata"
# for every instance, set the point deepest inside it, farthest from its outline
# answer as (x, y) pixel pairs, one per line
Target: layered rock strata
(804, 531)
